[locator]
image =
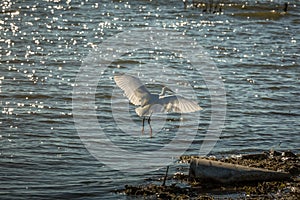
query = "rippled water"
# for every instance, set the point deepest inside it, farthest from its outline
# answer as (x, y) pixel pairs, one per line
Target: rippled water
(43, 46)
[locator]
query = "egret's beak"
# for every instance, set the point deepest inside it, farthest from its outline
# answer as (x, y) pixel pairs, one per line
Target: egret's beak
(169, 90)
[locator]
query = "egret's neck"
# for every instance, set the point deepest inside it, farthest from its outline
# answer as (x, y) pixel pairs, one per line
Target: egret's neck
(163, 91)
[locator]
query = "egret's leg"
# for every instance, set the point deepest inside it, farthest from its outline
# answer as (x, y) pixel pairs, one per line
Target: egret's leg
(143, 125)
(149, 120)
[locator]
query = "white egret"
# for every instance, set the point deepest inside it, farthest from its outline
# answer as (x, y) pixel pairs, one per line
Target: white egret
(149, 103)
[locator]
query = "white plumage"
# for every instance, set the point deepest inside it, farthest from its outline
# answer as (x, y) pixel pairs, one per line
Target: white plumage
(149, 103)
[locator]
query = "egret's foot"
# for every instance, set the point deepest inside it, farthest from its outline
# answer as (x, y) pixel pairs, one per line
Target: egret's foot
(150, 132)
(149, 120)
(143, 125)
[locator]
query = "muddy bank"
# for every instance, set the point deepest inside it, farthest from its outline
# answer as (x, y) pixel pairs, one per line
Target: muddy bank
(180, 186)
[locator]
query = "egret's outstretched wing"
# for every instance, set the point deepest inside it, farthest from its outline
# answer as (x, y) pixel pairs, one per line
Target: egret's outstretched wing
(178, 104)
(134, 89)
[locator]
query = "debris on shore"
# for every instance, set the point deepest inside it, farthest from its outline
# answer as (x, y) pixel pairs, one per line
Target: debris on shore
(286, 163)
(221, 172)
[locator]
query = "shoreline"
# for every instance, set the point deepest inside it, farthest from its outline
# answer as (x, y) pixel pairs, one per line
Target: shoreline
(181, 186)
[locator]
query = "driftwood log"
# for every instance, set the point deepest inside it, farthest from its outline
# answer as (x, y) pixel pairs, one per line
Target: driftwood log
(216, 171)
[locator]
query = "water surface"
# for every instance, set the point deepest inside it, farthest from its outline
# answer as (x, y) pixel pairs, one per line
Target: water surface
(43, 45)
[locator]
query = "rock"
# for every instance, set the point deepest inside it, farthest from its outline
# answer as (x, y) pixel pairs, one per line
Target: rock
(288, 154)
(274, 153)
(220, 172)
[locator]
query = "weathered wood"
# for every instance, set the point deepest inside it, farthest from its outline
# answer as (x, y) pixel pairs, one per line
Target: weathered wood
(208, 170)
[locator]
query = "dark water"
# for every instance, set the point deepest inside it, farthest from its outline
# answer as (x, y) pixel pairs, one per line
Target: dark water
(43, 46)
